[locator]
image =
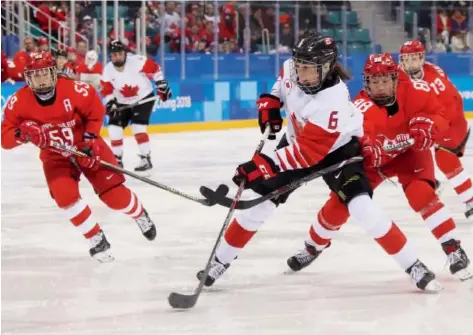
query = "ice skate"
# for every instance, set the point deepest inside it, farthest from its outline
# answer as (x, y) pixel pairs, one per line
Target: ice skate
(145, 166)
(217, 269)
(469, 210)
(100, 248)
(303, 258)
(457, 259)
(146, 225)
(424, 278)
(119, 160)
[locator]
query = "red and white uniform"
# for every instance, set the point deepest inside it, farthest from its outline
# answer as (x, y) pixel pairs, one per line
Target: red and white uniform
(452, 142)
(316, 124)
(133, 83)
(77, 109)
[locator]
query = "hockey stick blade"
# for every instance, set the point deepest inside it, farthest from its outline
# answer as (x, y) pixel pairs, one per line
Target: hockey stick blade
(215, 197)
(182, 301)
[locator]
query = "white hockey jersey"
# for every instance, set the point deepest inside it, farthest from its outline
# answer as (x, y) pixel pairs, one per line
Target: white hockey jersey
(133, 83)
(317, 124)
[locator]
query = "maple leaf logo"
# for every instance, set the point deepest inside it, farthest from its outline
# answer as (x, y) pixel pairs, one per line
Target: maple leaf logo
(129, 91)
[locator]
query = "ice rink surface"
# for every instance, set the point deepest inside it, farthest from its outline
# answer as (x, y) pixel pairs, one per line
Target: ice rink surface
(50, 285)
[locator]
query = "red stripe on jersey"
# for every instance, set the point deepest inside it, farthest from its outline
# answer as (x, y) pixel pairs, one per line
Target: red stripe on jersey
(290, 158)
(299, 158)
(281, 162)
(315, 143)
(150, 67)
(107, 88)
(281, 71)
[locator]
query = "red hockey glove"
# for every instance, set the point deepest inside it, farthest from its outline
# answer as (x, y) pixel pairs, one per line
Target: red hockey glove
(261, 167)
(269, 111)
(91, 147)
(373, 152)
(30, 131)
(164, 91)
(423, 131)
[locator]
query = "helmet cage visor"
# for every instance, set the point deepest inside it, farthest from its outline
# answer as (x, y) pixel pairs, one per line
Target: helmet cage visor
(41, 81)
(308, 75)
(381, 88)
(412, 63)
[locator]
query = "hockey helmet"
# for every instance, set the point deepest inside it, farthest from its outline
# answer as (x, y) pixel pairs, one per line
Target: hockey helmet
(380, 78)
(313, 60)
(412, 58)
(117, 53)
(40, 74)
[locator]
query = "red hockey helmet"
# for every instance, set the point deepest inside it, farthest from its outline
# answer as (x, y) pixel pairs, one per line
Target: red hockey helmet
(380, 78)
(412, 58)
(43, 40)
(40, 74)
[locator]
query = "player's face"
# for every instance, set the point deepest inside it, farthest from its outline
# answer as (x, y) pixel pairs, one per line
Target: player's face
(71, 57)
(307, 74)
(381, 87)
(41, 80)
(118, 58)
(412, 64)
(60, 62)
(43, 47)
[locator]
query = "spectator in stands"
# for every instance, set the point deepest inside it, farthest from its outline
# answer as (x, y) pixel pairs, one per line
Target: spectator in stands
(49, 9)
(4, 66)
(43, 44)
(459, 31)
(19, 61)
(287, 36)
(81, 51)
(227, 25)
(72, 57)
(444, 25)
(171, 18)
(86, 28)
(210, 13)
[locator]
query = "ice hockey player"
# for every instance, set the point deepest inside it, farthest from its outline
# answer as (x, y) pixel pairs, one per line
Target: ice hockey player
(323, 129)
(450, 145)
(51, 111)
(62, 65)
(90, 70)
(395, 113)
(125, 81)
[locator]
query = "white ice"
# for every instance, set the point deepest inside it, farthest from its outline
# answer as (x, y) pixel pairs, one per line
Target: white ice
(50, 285)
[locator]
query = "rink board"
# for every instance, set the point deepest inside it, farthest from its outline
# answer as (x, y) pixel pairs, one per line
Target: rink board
(207, 104)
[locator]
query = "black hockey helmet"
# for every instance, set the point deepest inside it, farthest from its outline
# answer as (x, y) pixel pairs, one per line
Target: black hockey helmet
(61, 53)
(313, 60)
(117, 46)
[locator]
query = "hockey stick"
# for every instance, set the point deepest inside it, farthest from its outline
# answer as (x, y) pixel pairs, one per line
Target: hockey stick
(186, 301)
(222, 189)
(141, 102)
(225, 201)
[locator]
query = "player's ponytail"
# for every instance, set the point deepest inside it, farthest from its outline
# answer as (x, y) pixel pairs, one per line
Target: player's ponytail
(341, 72)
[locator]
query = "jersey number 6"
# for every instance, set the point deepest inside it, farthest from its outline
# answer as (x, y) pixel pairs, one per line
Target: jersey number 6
(333, 120)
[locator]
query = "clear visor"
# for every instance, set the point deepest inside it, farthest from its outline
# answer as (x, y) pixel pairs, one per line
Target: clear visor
(412, 63)
(381, 88)
(42, 80)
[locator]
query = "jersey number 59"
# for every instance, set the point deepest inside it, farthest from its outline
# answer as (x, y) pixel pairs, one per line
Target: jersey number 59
(61, 137)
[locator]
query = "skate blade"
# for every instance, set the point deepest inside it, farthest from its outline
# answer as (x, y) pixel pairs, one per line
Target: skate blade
(147, 173)
(464, 275)
(104, 257)
(433, 287)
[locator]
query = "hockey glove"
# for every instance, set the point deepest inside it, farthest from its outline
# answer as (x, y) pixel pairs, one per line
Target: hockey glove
(91, 147)
(423, 131)
(261, 167)
(269, 111)
(164, 91)
(111, 108)
(373, 152)
(30, 131)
